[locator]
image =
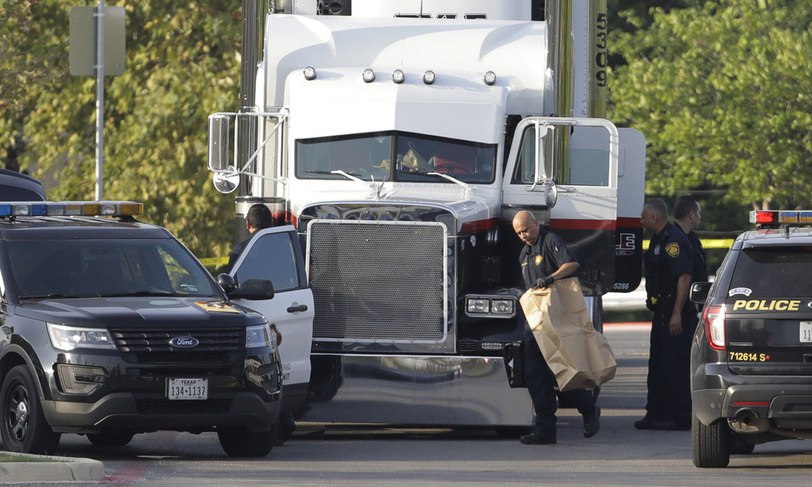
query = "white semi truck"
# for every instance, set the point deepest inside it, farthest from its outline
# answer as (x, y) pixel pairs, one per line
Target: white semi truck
(399, 139)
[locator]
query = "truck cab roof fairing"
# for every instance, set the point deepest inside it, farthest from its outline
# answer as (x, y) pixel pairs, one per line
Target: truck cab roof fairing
(458, 48)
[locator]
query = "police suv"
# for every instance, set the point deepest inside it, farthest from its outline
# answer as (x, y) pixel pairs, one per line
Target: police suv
(751, 362)
(110, 327)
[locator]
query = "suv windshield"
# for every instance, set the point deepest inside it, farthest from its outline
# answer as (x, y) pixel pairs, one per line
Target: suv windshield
(63, 268)
(774, 271)
(369, 156)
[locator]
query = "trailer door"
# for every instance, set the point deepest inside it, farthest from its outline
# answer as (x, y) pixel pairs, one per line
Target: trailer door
(565, 171)
(275, 254)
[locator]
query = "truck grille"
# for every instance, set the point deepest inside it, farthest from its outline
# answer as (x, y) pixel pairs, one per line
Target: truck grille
(378, 281)
(152, 346)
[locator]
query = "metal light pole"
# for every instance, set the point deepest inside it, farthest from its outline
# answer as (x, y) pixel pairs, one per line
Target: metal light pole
(99, 99)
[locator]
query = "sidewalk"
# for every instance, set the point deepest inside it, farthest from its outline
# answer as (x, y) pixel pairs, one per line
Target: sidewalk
(43, 468)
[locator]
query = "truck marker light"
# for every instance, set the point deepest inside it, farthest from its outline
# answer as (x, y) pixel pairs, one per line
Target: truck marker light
(368, 75)
(490, 78)
(428, 77)
(309, 73)
(398, 76)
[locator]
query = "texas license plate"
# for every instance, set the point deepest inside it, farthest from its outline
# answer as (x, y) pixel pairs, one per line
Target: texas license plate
(806, 332)
(187, 389)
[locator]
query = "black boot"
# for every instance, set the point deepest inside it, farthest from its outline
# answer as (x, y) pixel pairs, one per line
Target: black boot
(592, 423)
(538, 438)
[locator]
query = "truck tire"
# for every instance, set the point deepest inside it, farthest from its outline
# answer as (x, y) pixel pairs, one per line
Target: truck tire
(237, 442)
(22, 424)
(710, 444)
(110, 438)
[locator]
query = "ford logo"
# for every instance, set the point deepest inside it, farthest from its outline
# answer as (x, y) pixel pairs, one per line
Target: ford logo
(184, 342)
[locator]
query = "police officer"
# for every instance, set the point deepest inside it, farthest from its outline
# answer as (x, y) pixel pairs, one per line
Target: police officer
(687, 216)
(545, 259)
(257, 218)
(668, 264)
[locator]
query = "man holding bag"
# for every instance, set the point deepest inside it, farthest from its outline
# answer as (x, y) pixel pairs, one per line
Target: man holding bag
(545, 259)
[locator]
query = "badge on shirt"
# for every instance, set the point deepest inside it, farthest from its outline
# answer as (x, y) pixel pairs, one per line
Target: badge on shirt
(539, 258)
(672, 249)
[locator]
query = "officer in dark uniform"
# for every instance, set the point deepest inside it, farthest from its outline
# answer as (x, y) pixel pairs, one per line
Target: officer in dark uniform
(668, 264)
(687, 217)
(257, 218)
(544, 259)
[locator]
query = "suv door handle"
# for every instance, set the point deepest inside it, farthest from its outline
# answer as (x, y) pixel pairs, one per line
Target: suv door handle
(294, 309)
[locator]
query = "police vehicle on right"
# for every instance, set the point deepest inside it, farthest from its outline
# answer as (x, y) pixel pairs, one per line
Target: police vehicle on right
(751, 360)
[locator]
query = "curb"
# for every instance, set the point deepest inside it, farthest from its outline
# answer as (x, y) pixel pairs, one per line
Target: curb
(50, 469)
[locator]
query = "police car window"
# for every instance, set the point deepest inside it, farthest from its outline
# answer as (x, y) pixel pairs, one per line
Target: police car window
(774, 272)
(271, 257)
(105, 267)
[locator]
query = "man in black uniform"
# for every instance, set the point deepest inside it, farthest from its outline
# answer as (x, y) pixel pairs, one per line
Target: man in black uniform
(668, 263)
(257, 218)
(544, 259)
(687, 216)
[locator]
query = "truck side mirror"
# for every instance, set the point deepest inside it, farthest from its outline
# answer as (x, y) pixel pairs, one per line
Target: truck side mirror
(218, 142)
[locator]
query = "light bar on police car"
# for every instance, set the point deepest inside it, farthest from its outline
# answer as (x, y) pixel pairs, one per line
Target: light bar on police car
(776, 217)
(70, 208)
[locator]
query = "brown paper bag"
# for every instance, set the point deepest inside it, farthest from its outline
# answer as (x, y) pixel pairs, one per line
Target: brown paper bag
(579, 356)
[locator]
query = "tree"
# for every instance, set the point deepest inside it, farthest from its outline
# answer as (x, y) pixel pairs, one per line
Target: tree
(182, 64)
(722, 93)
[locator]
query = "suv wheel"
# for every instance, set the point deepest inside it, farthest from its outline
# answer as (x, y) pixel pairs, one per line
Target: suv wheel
(711, 444)
(237, 442)
(110, 438)
(22, 425)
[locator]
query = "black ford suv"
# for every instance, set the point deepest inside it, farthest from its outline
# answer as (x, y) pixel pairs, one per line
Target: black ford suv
(751, 362)
(110, 327)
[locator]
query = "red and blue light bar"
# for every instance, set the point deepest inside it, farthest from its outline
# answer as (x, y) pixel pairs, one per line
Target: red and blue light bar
(70, 208)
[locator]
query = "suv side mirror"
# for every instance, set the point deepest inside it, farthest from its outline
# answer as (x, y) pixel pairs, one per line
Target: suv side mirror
(699, 292)
(253, 289)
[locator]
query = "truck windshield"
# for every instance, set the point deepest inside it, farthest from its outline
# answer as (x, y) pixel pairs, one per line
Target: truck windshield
(369, 157)
(75, 268)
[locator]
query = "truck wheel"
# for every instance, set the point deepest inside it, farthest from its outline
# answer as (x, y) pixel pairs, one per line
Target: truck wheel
(237, 442)
(23, 427)
(711, 444)
(110, 438)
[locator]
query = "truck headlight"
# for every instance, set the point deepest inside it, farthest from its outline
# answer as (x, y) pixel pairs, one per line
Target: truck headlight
(70, 338)
(258, 336)
(477, 305)
(490, 306)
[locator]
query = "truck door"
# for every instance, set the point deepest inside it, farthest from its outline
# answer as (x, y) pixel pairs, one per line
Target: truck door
(275, 254)
(565, 171)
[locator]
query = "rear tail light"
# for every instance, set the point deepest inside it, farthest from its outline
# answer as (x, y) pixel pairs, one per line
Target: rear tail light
(713, 317)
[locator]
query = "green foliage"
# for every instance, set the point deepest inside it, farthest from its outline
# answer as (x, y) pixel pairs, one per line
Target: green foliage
(182, 64)
(722, 93)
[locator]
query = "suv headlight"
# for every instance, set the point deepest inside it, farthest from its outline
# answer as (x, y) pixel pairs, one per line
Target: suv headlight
(257, 336)
(69, 338)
